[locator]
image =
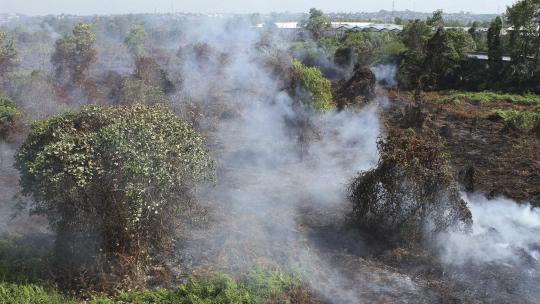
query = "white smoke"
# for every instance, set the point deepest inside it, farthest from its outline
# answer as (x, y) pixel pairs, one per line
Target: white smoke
(502, 230)
(386, 74)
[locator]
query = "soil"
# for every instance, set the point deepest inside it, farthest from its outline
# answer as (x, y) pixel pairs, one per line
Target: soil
(486, 154)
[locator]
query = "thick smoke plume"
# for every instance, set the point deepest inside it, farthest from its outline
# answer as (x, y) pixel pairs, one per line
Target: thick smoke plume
(500, 259)
(279, 199)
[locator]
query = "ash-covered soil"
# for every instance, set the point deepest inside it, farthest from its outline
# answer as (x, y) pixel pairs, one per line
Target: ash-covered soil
(488, 156)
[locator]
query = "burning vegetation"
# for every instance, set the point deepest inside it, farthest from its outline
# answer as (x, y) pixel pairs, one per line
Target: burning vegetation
(161, 160)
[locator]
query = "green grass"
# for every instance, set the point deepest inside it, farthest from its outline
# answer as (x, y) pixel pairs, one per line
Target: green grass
(30, 294)
(519, 119)
(456, 97)
(256, 286)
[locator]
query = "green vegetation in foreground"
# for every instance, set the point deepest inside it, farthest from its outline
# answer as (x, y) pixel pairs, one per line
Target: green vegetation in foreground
(456, 97)
(23, 280)
(317, 86)
(519, 119)
(30, 294)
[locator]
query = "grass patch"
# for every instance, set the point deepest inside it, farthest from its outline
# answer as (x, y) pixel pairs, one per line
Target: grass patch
(457, 97)
(518, 119)
(266, 285)
(30, 294)
(256, 286)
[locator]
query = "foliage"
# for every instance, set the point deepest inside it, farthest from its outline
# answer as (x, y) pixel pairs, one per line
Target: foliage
(411, 193)
(269, 285)
(8, 114)
(487, 96)
(432, 60)
(314, 90)
(30, 294)
(135, 91)
(317, 23)
(444, 51)
(74, 54)
(8, 53)
(436, 20)
(518, 119)
(415, 35)
(115, 184)
(256, 286)
(135, 40)
(21, 263)
(495, 51)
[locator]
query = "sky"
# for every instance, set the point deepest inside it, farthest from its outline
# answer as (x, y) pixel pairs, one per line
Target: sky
(90, 7)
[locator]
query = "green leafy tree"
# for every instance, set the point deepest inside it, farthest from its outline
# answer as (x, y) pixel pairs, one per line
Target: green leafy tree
(8, 54)
(478, 37)
(436, 20)
(8, 114)
(444, 51)
(495, 48)
(317, 23)
(411, 69)
(135, 40)
(524, 46)
(116, 185)
(415, 35)
(73, 55)
(311, 87)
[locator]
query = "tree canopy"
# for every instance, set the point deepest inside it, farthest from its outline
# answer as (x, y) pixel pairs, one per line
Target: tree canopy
(115, 184)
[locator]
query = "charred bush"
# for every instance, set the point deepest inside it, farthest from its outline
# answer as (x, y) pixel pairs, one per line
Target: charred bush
(116, 185)
(413, 116)
(411, 195)
(359, 88)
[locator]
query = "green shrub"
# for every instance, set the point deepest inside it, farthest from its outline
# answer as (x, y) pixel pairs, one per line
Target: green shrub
(115, 184)
(265, 285)
(22, 263)
(518, 119)
(486, 97)
(8, 114)
(314, 85)
(30, 294)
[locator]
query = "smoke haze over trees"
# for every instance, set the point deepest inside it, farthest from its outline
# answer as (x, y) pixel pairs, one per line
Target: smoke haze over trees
(161, 158)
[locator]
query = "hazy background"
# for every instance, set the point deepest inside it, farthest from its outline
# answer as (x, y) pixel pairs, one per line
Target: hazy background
(88, 7)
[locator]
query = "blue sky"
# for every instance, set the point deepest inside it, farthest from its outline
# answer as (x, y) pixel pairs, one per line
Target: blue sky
(86, 7)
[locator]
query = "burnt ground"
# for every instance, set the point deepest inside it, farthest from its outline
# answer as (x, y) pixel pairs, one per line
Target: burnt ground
(487, 155)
